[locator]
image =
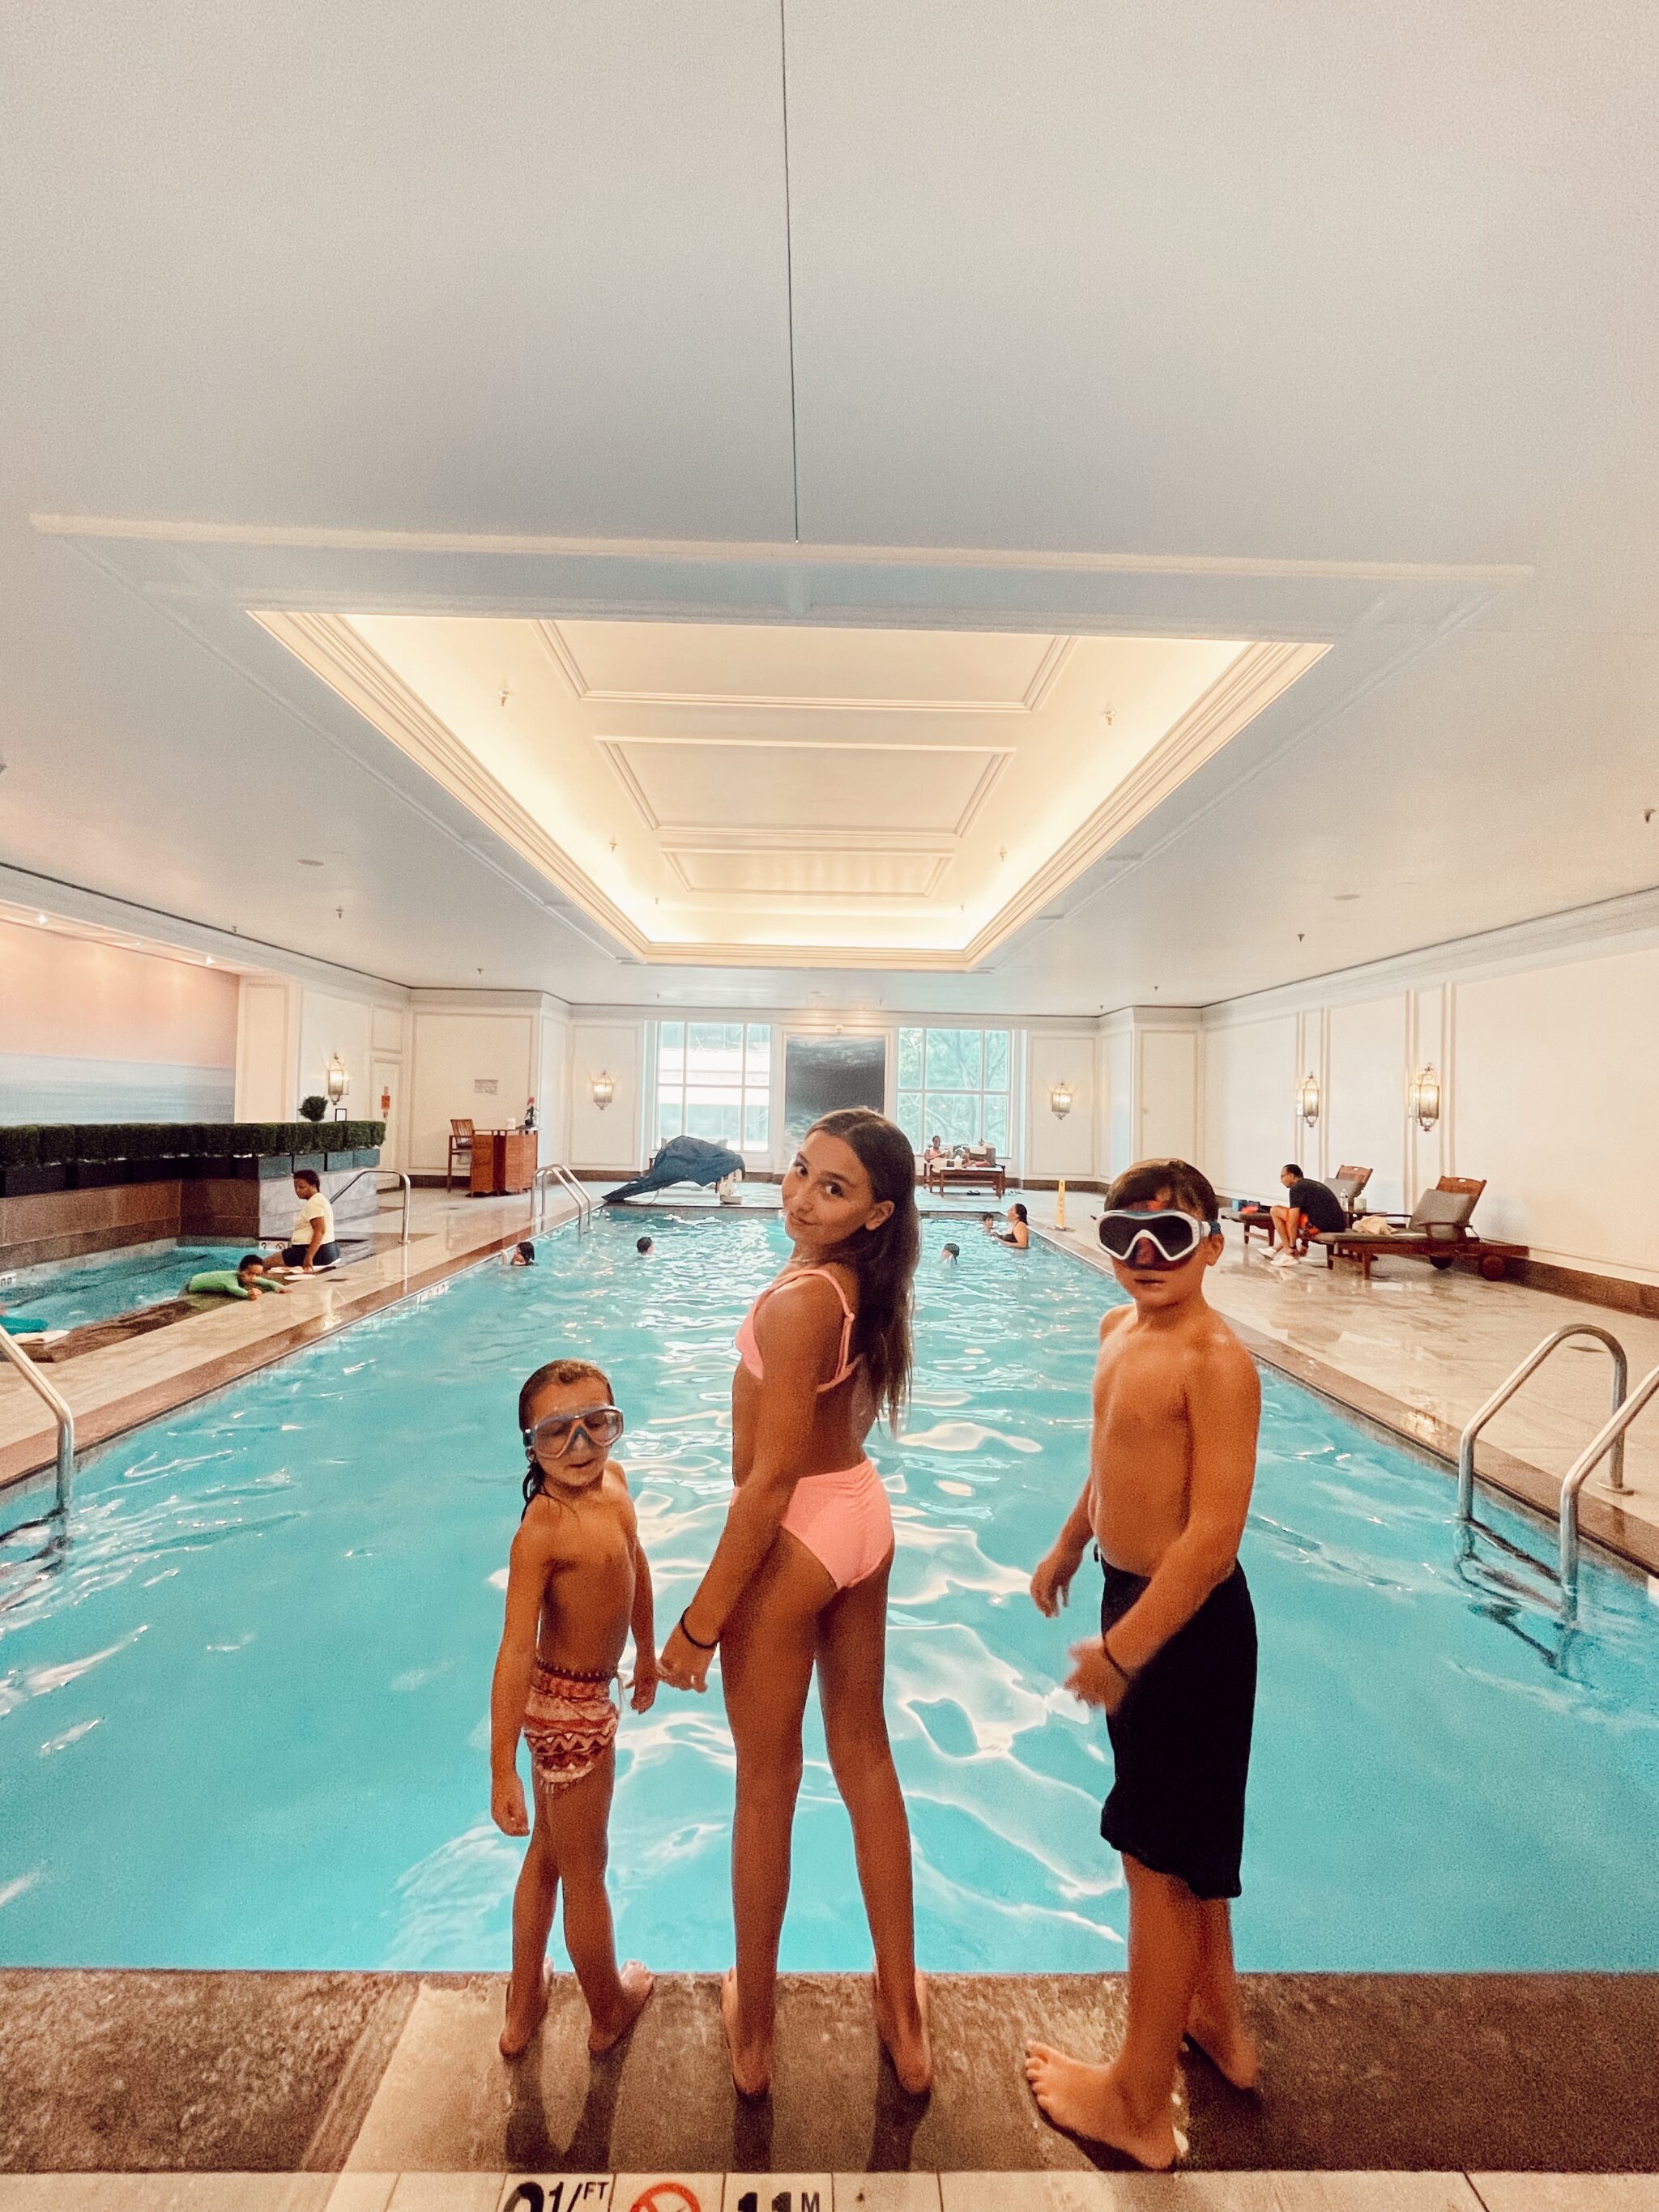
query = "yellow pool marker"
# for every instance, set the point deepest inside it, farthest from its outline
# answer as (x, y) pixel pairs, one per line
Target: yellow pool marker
(1060, 1205)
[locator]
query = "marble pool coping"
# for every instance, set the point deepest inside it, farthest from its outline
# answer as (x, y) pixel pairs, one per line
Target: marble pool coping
(134, 2071)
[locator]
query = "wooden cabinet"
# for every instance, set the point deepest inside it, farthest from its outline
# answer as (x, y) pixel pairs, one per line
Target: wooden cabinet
(502, 1160)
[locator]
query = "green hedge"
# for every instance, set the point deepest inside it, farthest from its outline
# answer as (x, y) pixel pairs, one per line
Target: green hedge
(26, 1144)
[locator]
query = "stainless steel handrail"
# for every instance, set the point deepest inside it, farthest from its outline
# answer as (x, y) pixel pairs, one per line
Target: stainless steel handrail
(1609, 1437)
(556, 1171)
(584, 1205)
(37, 1382)
(544, 1174)
(398, 1174)
(1506, 1390)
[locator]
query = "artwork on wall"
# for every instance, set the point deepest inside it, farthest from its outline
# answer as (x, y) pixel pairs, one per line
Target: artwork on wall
(822, 1073)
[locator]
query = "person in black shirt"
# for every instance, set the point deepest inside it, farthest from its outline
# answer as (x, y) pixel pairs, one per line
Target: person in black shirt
(1315, 1204)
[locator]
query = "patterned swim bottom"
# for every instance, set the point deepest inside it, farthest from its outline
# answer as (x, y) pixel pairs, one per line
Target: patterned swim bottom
(570, 1723)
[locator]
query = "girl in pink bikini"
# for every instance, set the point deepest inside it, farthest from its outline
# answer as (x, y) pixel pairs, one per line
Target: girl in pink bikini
(798, 1579)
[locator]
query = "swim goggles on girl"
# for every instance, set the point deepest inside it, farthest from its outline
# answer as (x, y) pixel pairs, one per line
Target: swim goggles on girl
(1173, 1237)
(554, 1435)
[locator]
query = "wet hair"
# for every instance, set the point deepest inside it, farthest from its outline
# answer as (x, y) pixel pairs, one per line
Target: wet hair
(1291, 1168)
(884, 1258)
(526, 1252)
(250, 1259)
(552, 1375)
(642, 1244)
(951, 1252)
(310, 1176)
(1018, 1211)
(1187, 1188)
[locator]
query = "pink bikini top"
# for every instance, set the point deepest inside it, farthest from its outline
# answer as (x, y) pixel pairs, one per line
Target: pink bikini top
(749, 1349)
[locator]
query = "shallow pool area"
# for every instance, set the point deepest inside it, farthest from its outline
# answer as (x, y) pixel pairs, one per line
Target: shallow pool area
(71, 1292)
(243, 1717)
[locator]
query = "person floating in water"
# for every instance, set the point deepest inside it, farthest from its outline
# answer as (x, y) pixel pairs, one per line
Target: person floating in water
(577, 1582)
(246, 1280)
(522, 1255)
(951, 1252)
(1171, 1465)
(799, 1581)
(644, 1245)
(1018, 1231)
(684, 1159)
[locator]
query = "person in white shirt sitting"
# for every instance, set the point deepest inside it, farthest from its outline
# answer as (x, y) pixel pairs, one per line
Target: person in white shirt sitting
(311, 1244)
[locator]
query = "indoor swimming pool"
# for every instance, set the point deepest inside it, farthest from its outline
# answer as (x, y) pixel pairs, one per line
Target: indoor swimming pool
(244, 1716)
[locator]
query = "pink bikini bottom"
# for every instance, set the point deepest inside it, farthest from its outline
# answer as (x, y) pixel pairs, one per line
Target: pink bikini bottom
(844, 1520)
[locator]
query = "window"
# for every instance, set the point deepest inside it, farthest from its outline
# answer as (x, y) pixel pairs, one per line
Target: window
(953, 1084)
(715, 1081)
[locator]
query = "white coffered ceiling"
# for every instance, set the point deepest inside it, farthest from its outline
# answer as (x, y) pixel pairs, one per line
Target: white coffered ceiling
(1166, 328)
(755, 795)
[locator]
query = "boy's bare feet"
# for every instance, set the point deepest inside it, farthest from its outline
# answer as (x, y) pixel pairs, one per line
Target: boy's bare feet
(1228, 2046)
(525, 2010)
(637, 1984)
(908, 2043)
(751, 2059)
(1086, 2101)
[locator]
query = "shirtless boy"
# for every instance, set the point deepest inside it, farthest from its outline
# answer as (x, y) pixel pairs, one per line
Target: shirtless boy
(1172, 1459)
(577, 1582)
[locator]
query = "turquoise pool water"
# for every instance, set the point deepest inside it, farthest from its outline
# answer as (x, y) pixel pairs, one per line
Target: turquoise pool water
(245, 1724)
(65, 1297)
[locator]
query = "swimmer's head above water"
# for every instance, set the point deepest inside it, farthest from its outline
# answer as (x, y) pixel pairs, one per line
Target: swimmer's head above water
(568, 1420)
(951, 1252)
(642, 1244)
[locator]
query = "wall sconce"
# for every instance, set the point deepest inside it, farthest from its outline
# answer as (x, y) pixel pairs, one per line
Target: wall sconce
(1060, 1101)
(337, 1082)
(1423, 1099)
(604, 1087)
(1307, 1098)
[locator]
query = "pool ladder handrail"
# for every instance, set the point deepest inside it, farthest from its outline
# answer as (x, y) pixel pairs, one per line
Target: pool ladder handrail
(395, 1175)
(1610, 1438)
(1505, 1390)
(556, 1171)
(65, 1419)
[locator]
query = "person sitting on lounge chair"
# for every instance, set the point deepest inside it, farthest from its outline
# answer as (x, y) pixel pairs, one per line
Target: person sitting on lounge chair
(1315, 1203)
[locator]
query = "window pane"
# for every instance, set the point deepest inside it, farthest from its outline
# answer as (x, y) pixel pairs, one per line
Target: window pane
(718, 1120)
(953, 1115)
(954, 1060)
(996, 1123)
(757, 1122)
(670, 1052)
(713, 1052)
(910, 1060)
(670, 1119)
(909, 1117)
(996, 1059)
(757, 1056)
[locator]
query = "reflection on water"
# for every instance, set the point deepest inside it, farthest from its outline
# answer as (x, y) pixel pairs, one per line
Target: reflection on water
(264, 1663)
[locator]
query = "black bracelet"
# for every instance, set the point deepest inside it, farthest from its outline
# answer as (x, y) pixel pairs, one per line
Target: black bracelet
(697, 1644)
(1116, 1665)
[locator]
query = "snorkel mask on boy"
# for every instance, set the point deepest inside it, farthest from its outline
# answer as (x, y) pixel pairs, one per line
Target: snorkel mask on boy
(1159, 1238)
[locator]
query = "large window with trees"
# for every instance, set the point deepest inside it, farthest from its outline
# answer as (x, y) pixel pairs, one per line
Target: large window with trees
(955, 1084)
(715, 1081)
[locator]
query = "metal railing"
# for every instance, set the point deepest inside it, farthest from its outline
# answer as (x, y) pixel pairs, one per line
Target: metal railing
(1506, 1390)
(556, 1172)
(65, 1419)
(1610, 1438)
(396, 1175)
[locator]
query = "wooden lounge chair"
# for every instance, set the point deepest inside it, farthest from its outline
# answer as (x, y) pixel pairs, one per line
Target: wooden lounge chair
(1437, 1230)
(460, 1148)
(1346, 1182)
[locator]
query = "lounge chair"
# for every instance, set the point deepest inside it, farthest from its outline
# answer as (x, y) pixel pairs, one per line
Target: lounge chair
(1437, 1230)
(1347, 1183)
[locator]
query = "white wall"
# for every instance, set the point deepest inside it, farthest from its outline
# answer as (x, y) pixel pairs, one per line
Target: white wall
(1547, 1046)
(607, 1137)
(1055, 1147)
(267, 1050)
(459, 1048)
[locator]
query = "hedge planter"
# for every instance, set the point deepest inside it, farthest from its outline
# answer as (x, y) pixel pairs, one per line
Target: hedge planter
(97, 1175)
(308, 1163)
(37, 1181)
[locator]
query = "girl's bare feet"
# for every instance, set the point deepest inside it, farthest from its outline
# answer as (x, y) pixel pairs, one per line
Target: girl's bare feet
(526, 2011)
(907, 2042)
(1228, 2046)
(1086, 2101)
(636, 1987)
(751, 2059)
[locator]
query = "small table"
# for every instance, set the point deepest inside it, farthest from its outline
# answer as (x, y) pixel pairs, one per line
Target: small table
(503, 1160)
(984, 1175)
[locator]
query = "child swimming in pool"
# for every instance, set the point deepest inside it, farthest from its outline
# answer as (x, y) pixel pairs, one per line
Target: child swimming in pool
(1172, 1460)
(577, 1582)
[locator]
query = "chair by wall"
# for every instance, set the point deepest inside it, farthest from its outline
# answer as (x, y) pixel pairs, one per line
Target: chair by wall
(460, 1148)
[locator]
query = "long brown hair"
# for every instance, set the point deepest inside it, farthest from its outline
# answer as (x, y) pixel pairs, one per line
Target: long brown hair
(884, 1258)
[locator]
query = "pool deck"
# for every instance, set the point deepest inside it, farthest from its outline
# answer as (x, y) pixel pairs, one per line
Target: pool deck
(1434, 2082)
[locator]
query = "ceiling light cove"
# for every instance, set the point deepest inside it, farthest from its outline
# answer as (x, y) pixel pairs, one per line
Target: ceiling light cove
(750, 794)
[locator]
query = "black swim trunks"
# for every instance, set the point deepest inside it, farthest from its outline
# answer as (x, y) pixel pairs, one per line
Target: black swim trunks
(1181, 1740)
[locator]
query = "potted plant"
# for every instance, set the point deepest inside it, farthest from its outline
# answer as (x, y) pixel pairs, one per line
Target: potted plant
(313, 1108)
